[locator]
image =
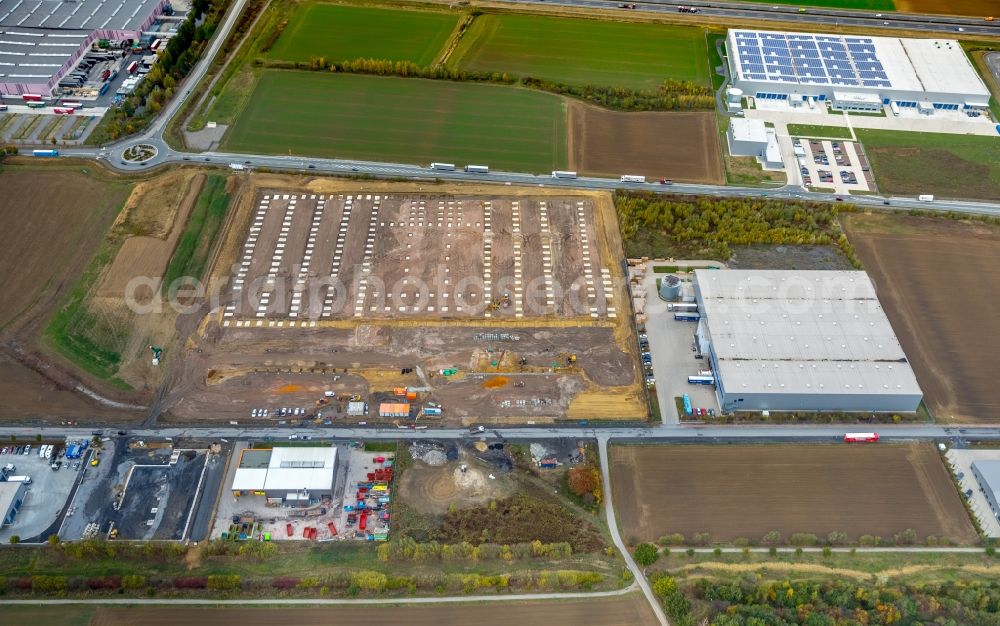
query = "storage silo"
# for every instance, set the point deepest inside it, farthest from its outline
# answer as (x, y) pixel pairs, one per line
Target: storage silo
(670, 287)
(734, 99)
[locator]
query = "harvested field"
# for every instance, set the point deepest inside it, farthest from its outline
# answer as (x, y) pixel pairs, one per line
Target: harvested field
(314, 257)
(54, 221)
(627, 610)
(159, 212)
(946, 7)
(938, 280)
(750, 490)
(679, 146)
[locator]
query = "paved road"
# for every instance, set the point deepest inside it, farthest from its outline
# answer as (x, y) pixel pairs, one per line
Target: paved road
(514, 597)
(609, 512)
(660, 432)
(812, 16)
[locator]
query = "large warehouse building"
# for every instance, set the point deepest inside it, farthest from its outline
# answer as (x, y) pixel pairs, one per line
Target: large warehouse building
(42, 40)
(292, 475)
(987, 474)
(853, 72)
(801, 341)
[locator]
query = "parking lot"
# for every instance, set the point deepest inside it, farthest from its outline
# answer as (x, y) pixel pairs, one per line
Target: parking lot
(673, 357)
(435, 256)
(837, 165)
(46, 496)
(961, 465)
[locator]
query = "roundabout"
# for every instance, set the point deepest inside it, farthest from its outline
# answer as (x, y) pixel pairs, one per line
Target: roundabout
(139, 153)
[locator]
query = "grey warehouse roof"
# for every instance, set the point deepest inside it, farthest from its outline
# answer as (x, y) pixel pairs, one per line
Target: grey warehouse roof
(990, 471)
(801, 332)
(88, 15)
(34, 56)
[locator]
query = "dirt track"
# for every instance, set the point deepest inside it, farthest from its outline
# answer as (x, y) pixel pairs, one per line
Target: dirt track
(938, 280)
(748, 491)
(679, 146)
(624, 611)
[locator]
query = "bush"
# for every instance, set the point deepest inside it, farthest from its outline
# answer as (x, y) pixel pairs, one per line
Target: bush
(773, 551)
(646, 554)
(803, 539)
(701, 539)
(191, 582)
(675, 539)
(772, 538)
(224, 583)
(907, 537)
(104, 582)
(836, 538)
(827, 551)
(134, 581)
(285, 582)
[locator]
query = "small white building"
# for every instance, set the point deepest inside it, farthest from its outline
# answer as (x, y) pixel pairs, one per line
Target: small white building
(287, 475)
(854, 101)
(751, 137)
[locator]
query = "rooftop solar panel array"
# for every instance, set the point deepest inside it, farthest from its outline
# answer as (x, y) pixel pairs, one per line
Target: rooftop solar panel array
(810, 59)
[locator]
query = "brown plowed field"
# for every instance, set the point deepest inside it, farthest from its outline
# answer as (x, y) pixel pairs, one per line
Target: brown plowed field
(748, 491)
(948, 7)
(53, 220)
(680, 146)
(938, 280)
(629, 610)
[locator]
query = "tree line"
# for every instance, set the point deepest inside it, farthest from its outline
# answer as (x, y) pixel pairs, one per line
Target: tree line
(670, 95)
(710, 226)
(175, 61)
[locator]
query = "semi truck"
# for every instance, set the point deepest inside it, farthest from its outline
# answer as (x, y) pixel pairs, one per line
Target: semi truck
(31, 97)
(687, 316)
(237, 167)
(443, 167)
(45, 153)
(633, 178)
(132, 67)
(477, 169)
(701, 380)
(861, 438)
(925, 197)
(19, 479)
(560, 174)
(72, 104)
(682, 306)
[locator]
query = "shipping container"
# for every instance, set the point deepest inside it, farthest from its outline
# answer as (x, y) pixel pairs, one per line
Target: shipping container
(31, 97)
(560, 174)
(444, 167)
(701, 380)
(682, 306)
(687, 316)
(132, 67)
(477, 169)
(633, 178)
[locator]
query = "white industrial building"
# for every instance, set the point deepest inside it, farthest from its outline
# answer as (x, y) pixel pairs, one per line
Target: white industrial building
(852, 72)
(751, 137)
(791, 340)
(987, 474)
(287, 475)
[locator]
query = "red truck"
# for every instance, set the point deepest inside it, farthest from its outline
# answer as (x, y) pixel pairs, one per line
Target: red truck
(861, 438)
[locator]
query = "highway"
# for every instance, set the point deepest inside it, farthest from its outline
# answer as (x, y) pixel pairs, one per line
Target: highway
(811, 16)
(154, 135)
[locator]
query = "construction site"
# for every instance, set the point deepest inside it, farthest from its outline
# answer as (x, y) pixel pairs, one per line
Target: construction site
(347, 303)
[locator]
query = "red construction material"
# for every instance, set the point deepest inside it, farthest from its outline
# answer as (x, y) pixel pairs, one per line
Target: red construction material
(305, 532)
(288, 529)
(333, 529)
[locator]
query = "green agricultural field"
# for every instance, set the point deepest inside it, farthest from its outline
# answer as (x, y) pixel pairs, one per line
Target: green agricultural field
(955, 166)
(873, 5)
(342, 33)
(584, 52)
(402, 120)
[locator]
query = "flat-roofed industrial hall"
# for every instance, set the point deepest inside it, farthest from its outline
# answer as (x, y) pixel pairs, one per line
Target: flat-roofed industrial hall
(801, 341)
